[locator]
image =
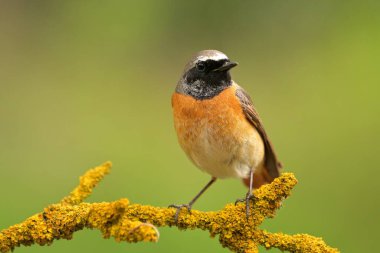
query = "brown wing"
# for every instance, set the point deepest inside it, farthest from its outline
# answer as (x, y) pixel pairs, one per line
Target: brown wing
(272, 164)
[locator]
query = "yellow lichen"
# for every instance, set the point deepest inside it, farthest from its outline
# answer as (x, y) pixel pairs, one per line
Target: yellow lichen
(134, 222)
(87, 183)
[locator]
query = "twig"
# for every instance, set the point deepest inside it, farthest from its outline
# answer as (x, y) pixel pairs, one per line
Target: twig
(133, 222)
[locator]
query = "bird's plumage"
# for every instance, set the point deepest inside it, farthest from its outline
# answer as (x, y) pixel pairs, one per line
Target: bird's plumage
(217, 125)
(216, 136)
(272, 164)
(219, 128)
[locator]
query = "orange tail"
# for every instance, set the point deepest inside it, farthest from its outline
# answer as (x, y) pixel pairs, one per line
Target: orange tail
(259, 178)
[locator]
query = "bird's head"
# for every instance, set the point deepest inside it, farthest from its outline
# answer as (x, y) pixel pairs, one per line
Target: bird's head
(206, 74)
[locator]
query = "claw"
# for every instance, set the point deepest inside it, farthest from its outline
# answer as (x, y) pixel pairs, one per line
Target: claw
(179, 207)
(239, 201)
(188, 206)
(248, 197)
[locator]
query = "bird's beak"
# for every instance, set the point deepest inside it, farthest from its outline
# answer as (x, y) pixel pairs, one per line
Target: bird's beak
(226, 66)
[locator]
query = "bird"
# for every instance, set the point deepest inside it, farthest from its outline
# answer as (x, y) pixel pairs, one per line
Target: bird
(219, 128)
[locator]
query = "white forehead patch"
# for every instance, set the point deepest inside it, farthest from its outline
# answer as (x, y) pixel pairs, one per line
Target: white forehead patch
(216, 56)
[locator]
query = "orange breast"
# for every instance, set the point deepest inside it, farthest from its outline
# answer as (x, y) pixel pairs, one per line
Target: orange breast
(222, 114)
(215, 134)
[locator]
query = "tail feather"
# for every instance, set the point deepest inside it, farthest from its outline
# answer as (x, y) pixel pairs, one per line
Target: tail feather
(259, 178)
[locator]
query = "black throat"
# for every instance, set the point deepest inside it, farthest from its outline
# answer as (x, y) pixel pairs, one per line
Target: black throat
(203, 85)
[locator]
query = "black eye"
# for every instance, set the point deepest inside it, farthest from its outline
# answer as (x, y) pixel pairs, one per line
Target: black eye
(201, 66)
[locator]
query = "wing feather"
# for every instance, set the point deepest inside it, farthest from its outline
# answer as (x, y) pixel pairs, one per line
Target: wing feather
(272, 165)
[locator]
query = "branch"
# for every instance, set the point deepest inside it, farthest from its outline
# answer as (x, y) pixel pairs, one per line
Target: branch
(133, 222)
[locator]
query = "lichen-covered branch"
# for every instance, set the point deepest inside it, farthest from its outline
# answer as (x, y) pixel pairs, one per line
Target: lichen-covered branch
(87, 183)
(134, 222)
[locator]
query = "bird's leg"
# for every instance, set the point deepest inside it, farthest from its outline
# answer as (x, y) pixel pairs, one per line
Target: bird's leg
(190, 204)
(249, 195)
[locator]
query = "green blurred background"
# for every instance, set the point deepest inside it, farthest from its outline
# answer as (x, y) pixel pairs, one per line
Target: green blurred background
(83, 82)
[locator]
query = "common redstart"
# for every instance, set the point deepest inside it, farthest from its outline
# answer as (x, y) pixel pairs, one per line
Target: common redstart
(219, 128)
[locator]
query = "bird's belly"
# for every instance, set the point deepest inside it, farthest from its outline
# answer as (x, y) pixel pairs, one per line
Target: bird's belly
(230, 155)
(218, 140)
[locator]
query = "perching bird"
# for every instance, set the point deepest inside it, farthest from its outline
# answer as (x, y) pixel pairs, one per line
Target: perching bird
(219, 128)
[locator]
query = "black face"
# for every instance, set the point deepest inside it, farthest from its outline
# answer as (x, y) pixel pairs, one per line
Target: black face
(206, 79)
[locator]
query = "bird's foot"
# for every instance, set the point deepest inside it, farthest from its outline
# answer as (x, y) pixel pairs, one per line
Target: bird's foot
(249, 197)
(179, 207)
